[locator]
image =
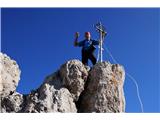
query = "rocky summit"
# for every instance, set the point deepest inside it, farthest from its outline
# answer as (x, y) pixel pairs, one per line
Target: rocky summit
(72, 88)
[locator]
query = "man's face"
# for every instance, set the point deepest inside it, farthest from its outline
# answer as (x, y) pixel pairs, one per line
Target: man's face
(87, 36)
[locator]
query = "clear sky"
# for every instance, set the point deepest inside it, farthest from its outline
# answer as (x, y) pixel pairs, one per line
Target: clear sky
(40, 40)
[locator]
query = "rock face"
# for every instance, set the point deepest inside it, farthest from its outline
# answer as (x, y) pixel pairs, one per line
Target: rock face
(74, 76)
(104, 89)
(9, 74)
(12, 102)
(49, 99)
(72, 88)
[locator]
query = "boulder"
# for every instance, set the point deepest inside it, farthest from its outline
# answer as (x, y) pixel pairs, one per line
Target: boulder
(104, 89)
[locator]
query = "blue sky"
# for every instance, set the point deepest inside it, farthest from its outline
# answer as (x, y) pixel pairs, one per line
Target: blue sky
(40, 40)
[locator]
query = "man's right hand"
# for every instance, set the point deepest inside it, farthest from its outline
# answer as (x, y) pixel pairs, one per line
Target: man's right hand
(76, 39)
(76, 35)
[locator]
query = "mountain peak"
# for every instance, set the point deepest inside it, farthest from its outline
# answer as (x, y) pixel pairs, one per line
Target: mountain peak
(73, 88)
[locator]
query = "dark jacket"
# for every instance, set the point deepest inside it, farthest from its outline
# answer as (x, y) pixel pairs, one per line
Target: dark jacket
(88, 44)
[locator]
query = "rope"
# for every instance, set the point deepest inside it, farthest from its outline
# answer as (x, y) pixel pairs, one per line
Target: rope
(131, 78)
(114, 60)
(137, 88)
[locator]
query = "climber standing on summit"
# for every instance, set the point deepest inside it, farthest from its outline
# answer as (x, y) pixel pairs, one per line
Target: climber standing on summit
(88, 48)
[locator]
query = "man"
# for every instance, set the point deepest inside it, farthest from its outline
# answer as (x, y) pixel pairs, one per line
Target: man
(88, 48)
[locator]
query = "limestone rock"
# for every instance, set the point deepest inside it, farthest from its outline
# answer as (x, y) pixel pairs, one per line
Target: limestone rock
(104, 89)
(72, 88)
(12, 102)
(49, 99)
(74, 75)
(9, 74)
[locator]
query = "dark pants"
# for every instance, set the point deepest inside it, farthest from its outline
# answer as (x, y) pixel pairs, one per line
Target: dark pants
(88, 54)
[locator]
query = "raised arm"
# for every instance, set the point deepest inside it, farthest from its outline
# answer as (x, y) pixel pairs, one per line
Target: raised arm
(76, 39)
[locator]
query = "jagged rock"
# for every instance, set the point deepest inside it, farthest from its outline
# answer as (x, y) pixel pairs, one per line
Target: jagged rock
(104, 89)
(49, 99)
(12, 102)
(54, 80)
(9, 74)
(74, 75)
(72, 88)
